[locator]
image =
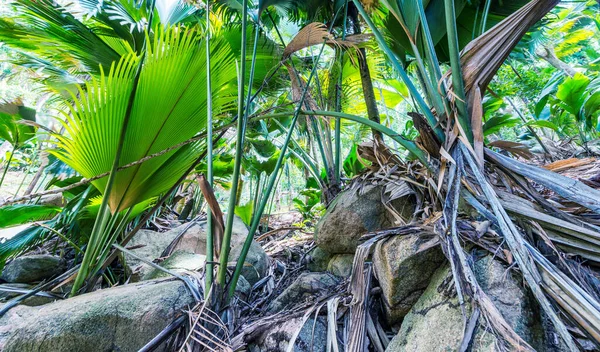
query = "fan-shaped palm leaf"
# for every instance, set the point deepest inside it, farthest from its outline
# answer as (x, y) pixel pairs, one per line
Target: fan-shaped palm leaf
(169, 108)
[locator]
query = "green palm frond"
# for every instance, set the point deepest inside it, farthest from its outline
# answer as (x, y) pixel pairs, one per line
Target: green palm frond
(48, 29)
(169, 108)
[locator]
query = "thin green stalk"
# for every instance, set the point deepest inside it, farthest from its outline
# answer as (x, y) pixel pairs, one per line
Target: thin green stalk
(241, 126)
(433, 60)
(486, 10)
(270, 207)
(12, 153)
(301, 154)
(429, 86)
(407, 144)
(317, 135)
(99, 225)
(208, 277)
(272, 178)
(458, 86)
(33, 157)
(249, 96)
(433, 122)
(338, 105)
(257, 191)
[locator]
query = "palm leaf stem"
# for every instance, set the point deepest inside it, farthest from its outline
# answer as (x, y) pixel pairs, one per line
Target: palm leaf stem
(428, 84)
(301, 154)
(407, 144)
(338, 106)
(241, 126)
(436, 72)
(484, 16)
(257, 193)
(209, 162)
(317, 135)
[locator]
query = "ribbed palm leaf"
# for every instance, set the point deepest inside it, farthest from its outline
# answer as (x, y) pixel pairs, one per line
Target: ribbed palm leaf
(169, 108)
(50, 31)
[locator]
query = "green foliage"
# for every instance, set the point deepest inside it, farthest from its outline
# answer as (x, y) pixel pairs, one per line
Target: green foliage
(495, 119)
(353, 165)
(222, 169)
(498, 122)
(256, 165)
(580, 98)
(65, 222)
(13, 124)
(544, 124)
(176, 115)
(18, 214)
(245, 212)
(306, 203)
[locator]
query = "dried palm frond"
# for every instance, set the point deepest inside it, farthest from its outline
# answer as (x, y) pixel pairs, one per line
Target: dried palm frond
(217, 214)
(515, 243)
(427, 137)
(482, 57)
(317, 33)
(464, 277)
(567, 188)
(206, 331)
(360, 283)
(517, 149)
(565, 164)
(358, 314)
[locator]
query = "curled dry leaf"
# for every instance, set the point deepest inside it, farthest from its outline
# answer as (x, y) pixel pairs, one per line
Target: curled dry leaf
(317, 33)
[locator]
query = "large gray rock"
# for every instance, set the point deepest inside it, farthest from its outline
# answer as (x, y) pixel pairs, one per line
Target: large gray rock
(404, 266)
(317, 259)
(435, 322)
(124, 318)
(341, 265)
(151, 244)
(354, 213)
(277, 338)
(256, 263)
(307, 286)
(179, 262)
(192, 239)
(33, 268)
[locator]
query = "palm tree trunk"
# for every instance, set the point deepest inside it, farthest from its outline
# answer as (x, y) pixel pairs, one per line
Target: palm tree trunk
(365, 75)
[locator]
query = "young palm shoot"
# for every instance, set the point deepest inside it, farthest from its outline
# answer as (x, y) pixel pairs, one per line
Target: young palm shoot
(104, 214)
